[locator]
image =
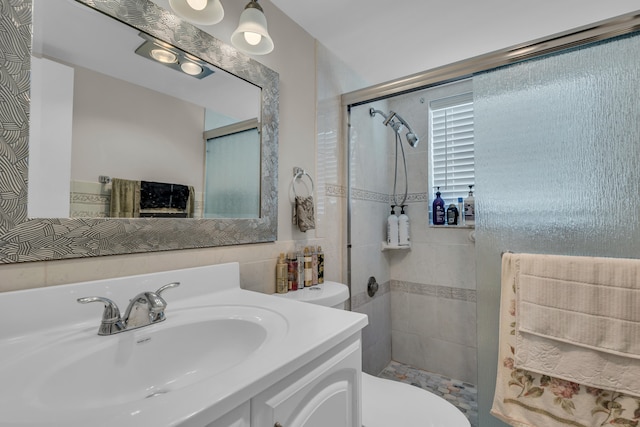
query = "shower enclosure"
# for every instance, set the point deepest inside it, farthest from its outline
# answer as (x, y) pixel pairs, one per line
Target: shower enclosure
(556, 139)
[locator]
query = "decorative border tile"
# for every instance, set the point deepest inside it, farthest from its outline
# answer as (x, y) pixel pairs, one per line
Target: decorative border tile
(363, 298)
(370, 196)
(446, 292)
(335, 190)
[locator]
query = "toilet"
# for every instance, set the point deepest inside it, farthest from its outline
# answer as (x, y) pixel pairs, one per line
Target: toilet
(385, 402)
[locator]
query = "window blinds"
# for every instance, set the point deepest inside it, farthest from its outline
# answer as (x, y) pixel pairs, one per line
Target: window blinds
(452, 146)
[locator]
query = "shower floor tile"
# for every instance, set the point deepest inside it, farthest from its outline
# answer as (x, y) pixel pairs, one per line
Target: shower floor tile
(460, 394)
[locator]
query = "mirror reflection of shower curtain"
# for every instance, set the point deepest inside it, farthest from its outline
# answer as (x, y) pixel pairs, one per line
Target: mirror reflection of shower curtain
(232, 176)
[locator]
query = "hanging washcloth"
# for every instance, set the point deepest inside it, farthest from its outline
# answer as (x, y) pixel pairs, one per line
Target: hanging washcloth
(304, 214)
(303, 211)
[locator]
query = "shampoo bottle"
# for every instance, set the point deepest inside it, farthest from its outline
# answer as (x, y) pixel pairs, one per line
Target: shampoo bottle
(392, 228)
(403, 228)
(282, 285)
(470, 208)
(439, 213)
(460, 211)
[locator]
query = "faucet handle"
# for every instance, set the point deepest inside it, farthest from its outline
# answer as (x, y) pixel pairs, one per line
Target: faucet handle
(157, 303)
(111, 320)
(167, 286)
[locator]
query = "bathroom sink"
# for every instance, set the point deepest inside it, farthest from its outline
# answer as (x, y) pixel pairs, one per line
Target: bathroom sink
(82, 369)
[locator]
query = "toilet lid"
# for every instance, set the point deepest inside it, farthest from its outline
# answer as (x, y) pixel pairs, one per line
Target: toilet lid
(388, 403)
(327, 294)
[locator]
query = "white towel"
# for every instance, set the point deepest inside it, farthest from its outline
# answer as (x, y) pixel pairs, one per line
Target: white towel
(578, 319)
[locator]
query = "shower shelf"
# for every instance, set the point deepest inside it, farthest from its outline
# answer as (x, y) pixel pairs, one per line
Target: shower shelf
(386, 247)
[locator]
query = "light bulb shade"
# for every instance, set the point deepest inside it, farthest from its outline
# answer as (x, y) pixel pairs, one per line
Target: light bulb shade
(210, 15)
(252, 20)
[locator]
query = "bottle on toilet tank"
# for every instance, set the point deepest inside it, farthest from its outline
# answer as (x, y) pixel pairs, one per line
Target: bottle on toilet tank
(320, 265)
(282, 284)
(314, 266)
(300, 259)
(292, 264)
(308, 272)
(404, 238)
(392, 228)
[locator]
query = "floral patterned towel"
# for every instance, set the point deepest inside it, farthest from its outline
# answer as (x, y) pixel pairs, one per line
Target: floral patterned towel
(528, 399)
(304, 216)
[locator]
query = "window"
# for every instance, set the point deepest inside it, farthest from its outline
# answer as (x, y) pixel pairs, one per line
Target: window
(451, 146)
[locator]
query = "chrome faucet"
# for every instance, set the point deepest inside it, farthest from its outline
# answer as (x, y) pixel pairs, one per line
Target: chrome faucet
(144, 309)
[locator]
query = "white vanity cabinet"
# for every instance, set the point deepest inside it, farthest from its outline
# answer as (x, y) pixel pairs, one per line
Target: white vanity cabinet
(326, 392)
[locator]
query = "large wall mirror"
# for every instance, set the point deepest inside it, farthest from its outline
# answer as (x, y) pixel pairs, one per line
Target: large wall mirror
(85, 105)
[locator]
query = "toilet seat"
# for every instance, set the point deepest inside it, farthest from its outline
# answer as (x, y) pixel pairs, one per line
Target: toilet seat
(388, 403)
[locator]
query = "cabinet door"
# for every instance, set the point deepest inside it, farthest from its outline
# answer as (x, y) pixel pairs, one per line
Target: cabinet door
(324, 393)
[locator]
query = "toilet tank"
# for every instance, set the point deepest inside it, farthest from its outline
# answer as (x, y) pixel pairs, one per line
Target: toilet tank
(328, 294)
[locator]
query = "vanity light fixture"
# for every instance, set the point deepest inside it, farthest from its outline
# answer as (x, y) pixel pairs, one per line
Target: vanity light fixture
(252, 36)
(172, 57)
(203, 12)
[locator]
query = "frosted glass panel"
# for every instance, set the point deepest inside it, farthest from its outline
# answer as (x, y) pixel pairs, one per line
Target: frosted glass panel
(232, 186)
(557, 170)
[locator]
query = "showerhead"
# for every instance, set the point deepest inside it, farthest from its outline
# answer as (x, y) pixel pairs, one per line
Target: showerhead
(397, 126)
(412, 139)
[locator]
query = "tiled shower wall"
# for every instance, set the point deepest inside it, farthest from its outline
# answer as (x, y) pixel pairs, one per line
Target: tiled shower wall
(433, 296)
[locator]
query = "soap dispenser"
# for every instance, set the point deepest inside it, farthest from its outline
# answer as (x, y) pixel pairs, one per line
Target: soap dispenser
(392, 228)
(403, 228)
(470, 208)
(439, 213)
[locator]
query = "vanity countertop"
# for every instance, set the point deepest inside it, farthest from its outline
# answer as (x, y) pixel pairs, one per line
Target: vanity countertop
(301, 333)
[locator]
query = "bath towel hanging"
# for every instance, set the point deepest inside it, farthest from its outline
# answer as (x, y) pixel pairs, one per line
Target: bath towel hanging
(528, 398)
(303, 207)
